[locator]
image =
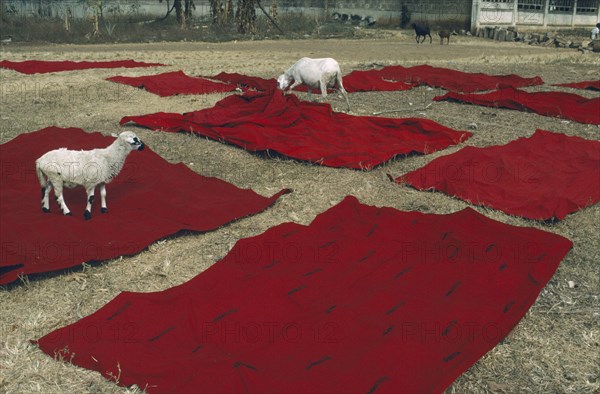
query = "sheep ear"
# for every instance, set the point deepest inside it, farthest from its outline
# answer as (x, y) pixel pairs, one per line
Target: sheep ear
(114, 135)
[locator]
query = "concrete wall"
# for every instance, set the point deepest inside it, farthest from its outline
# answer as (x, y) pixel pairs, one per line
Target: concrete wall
(430, 10)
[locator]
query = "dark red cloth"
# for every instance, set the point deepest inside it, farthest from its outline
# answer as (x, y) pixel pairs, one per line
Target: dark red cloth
(272, 121)
(438, 77)
(392, 78)
(373, 80)
(149, 200)
(543, 177)
(556, 104)
(363, 300)
(589, 85)
(246, 82)
(173, 83)
(43, 66)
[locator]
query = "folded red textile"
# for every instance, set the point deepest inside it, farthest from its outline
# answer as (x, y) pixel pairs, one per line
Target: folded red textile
(543, 177)
(272, 121)
(148, 200)
(589, 85)
(362, 300)
(173, 83)
(43, 66)
(557, 104)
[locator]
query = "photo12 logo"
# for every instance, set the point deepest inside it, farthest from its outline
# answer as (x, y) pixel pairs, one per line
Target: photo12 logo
(53, 92)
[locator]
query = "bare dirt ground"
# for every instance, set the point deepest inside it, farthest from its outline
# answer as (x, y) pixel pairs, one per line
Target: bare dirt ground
(555, 348)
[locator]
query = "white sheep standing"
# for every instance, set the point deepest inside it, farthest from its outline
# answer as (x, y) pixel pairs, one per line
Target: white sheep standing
(87, 168)
(314, 73)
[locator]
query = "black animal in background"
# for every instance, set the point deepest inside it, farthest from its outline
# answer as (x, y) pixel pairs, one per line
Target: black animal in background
(422, 30)
(446, 34)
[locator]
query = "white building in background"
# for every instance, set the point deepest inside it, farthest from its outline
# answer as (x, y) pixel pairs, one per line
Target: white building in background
(535, 14)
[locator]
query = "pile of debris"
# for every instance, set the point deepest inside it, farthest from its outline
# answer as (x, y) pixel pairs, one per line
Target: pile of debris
(546, 39)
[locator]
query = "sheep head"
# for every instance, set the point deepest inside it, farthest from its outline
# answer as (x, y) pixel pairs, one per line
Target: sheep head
(128, 138)
(283, 81)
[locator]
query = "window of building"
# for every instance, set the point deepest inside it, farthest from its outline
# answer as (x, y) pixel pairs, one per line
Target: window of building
(587, 6)
(531, 5)
(560, 6)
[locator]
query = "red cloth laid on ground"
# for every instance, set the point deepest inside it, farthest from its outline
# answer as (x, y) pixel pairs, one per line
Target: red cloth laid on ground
(150, 199)
(43, 66)
(557, 104)
(173, 83)
(543, 177)
(393, 78)
(246, 82)
(362, 300)
(589, 85)
(281, 123)
(454, 80)
(373, 80)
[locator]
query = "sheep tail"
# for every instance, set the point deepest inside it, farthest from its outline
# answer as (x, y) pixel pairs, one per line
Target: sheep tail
(40, 175)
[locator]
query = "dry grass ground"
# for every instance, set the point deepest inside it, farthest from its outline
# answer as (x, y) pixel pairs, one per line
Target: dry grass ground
(556, 346)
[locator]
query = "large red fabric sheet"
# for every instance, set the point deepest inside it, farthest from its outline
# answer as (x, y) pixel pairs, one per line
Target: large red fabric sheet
(173, 83)
(148, 200)
(246, 82)
(272, 121)
(438, 77)
(392, 78)
(544, 177)
(589, 85)
(363, 300)
(44, 66)
(556, 104)
(374, 80)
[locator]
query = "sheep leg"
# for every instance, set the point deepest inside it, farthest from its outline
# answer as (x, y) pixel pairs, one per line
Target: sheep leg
(323, 87)
(46, 187)
(46, 197)
(343, 91)
(58, 193)
(90, 200)
(296, 83)
(103, 208)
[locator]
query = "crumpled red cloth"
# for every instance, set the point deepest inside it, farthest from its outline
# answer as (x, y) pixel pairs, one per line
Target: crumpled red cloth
(556, 104)
(173, 83)
(45, 66)
(543, 177)
(438, 77)
(273, 121)
(149, 200)
(362, 300)
(589, 85)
